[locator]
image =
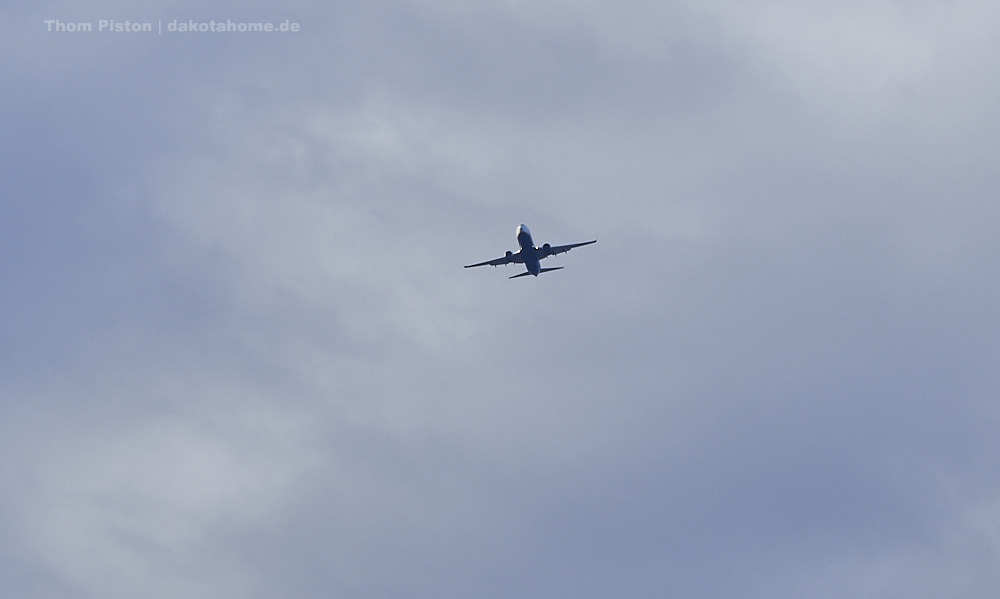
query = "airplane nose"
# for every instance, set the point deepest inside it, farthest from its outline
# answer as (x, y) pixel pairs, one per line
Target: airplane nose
(522, 227)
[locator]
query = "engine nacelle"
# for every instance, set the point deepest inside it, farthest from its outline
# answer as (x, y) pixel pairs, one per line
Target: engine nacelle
(546, 248)
(509, 253)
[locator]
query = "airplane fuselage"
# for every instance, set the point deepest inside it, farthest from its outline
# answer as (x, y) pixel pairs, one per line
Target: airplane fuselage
(528, 251)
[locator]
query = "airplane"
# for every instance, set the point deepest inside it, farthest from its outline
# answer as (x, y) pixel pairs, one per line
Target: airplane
(529, 255)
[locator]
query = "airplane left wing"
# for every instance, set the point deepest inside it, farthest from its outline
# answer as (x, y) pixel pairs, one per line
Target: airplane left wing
(559, 249)
(510, 258)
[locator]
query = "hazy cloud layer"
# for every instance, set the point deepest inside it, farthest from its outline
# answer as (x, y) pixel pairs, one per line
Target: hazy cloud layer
(241, 358)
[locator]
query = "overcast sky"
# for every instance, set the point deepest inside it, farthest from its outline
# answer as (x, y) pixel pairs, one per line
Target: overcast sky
(240, 357)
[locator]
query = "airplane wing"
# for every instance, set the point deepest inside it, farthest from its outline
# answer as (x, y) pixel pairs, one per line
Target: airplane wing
(510, 258)
(559, 249)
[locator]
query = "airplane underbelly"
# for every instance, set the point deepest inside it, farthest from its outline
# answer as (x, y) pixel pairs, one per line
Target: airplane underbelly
(532, 265)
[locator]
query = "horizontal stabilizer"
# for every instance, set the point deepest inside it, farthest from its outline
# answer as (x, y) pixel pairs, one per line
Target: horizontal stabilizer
(524, 274)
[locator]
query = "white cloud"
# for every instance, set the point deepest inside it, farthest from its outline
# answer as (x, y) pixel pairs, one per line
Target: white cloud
(129, 492)
(287, 384)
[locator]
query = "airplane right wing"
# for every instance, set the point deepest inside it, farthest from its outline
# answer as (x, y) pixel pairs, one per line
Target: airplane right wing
(559, 249)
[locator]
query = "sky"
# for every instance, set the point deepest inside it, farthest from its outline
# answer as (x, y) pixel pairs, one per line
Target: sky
(240, 357)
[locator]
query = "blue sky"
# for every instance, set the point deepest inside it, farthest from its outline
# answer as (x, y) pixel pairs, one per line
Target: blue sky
(240, 356)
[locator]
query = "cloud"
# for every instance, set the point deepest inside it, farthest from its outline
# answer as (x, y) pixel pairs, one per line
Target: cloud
(244, 359)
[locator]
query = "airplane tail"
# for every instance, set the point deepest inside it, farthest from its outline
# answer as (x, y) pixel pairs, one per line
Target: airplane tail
(524, 274)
